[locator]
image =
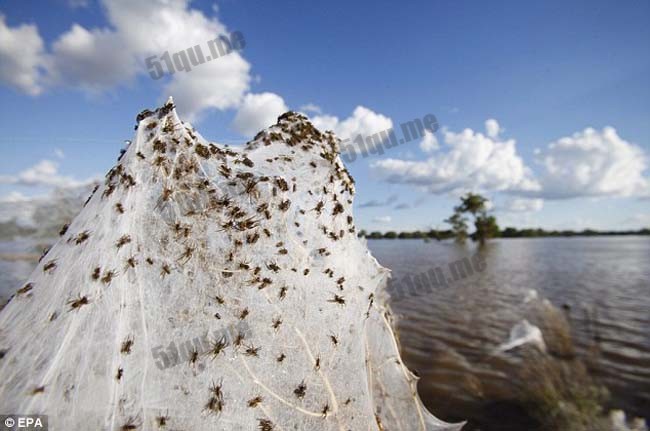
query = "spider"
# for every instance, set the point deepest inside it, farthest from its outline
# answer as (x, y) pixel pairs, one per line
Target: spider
(108, 277)
(282, 184)
(300, 390)
(284, 205)
(126, 346)
(187, 254)
(83, 236)
(49, 266)
(265, 425)
(26, 288)
(124, 239)
(255, 401)
(252, 350)
(217, 347)
(337, 299)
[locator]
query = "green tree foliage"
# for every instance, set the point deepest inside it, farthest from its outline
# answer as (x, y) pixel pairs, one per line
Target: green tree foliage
(458, 225)
(485, 225)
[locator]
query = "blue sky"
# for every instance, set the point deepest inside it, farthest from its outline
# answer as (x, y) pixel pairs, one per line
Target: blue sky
(577, 74)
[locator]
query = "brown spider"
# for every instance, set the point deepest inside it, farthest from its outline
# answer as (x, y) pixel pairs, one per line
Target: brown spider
(26, 288)
(126, 346)
(337, 299)
(218, 346)
(83, 236)
(108, 277)
(284, 205)
(265, 425)
(255, 401)
(252, 350)
(49, 266)
(124, 239)
(300, 390)
(78, 302)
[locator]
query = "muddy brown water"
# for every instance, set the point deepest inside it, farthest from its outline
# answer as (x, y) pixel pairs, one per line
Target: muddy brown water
(449, 334)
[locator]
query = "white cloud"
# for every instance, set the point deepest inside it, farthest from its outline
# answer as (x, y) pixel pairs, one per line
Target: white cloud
(363, 121)
(593, 163)
(257, 112)
(524, 205)
(59, 153)
(13, 197)
(492, 128)
(468, 161)
(429, 142)
(21, 57)
(93, 60)
(382, 219)
(310, 107)
(43, 173)
(99, 59)
(588, 163)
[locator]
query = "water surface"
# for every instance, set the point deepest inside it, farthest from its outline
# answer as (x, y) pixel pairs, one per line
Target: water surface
(449, 335)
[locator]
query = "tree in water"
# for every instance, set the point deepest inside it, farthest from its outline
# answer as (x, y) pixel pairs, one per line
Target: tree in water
(485, 225)
(458, 224)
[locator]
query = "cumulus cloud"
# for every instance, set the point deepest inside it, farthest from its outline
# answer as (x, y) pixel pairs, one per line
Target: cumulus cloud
(492, 128)
(44, 173)
(21, 57)
(523, 205)
(382, 219)
(257, 112)
(310, 107)
(93, 60)
(588, 163)
(13, 197)
(363, 121)
(99, 59)
(469, 161)
(593, 163)
(429, 142)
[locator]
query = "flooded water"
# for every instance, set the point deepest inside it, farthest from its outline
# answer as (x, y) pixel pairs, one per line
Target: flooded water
(449, 334)
(17, 260)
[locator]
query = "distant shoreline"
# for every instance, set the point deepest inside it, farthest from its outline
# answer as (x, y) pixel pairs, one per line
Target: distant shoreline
(506, 233)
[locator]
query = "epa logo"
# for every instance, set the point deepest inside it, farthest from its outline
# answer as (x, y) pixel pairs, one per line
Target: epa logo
(23, 423)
